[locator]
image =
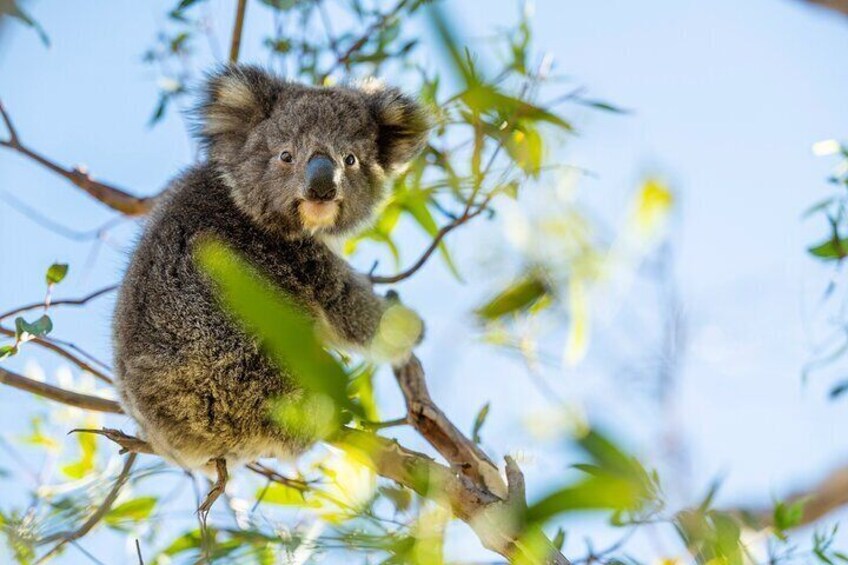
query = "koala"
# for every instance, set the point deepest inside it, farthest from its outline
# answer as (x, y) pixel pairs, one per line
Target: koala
(286, 167)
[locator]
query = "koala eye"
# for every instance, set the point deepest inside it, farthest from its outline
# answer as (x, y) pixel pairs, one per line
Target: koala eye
(286, 157)
(350, 160)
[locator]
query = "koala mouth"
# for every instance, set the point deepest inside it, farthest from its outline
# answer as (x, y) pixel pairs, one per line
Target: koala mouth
(315, 214)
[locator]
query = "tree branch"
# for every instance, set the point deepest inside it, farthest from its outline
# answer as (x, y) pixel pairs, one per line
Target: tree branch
(94, 519)
(826, 496)
(65, 302)
(62, 352)
(84, 401)
(838, 5)
(428, 419)
(110, 195)
(471, 503)
(343, 60)
(440, 235)
(235, 42)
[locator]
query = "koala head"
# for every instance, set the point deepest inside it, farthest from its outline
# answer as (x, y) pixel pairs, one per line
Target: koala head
(301, 159)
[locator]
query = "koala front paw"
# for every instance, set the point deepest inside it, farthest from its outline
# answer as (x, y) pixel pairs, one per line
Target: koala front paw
(400, 330)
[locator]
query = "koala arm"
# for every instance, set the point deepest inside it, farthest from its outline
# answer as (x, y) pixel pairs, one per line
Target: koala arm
(357, 318)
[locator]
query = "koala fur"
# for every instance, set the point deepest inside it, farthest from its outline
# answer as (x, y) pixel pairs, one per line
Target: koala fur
(197, 385)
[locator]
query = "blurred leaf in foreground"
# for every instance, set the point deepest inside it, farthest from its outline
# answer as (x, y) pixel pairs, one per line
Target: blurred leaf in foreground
(289, 336)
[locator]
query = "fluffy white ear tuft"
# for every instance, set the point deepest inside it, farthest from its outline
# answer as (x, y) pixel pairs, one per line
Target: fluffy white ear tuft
(403, 124)
(236, 98)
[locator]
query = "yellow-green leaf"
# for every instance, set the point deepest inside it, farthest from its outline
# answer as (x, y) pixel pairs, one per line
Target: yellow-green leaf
(133, 510)
(517, 296)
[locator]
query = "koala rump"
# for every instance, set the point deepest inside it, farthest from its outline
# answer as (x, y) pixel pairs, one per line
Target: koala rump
(286, 165)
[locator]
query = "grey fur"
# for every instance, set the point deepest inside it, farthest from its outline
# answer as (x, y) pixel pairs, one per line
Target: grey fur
(196, 384)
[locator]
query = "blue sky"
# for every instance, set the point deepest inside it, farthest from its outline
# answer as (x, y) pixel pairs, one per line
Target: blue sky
(726, 98)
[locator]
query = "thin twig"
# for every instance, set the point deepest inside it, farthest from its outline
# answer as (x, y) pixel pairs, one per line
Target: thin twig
(374, 426)
(437, 240)
(238, 25)
(34, 215)
(343, 60)
(112, 196)
(64, 302)
(48, 344)
(138, 552)
(94, 519)
(84, 401)
(14, 140)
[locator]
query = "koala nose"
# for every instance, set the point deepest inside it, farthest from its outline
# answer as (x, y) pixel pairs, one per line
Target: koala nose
(320, 181)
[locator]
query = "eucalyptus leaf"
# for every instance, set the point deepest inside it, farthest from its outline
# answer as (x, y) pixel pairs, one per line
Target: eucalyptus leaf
(56, 273)
(25, 331)
(517, 296)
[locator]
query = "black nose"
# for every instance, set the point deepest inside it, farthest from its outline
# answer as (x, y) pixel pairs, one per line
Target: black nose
(320, 184)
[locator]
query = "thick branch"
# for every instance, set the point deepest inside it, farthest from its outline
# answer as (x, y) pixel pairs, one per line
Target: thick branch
(94, 519)
(428, 419)
(838, 5)
(84, 401)
(112, 196)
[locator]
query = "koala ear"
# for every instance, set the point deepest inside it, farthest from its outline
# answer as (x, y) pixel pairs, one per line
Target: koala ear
(403, 124)
(235, 99)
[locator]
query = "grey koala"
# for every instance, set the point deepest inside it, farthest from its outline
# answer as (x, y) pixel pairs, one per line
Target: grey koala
(287, 166)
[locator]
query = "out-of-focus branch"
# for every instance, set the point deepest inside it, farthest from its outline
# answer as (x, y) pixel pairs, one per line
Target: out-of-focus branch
(84, 401)
(828, 495)
(343, 60)
(94, 519)
(838, 5)
(112, 196)
(46, 343)
(238, 25)
(469, 501)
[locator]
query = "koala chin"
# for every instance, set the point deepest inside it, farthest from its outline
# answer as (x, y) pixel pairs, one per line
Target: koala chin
(287, 167)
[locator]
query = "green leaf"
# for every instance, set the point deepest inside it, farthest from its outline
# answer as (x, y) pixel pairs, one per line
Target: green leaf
(525, 146)
(833, 249)
(601, 105)
(7, 351)
(487, 99)
(133, 510)
(362, 389)
(594, 493)
(186, 542)
(283, 328)
(280, 4)
(616, 481)
(25, 331)
(56, 273)
(787, 516)
(517, 296)
(401, 497)
(161, 108)
(559, 539)
(478, 423)
(835, 392)
(85, 464)
(284, 495)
